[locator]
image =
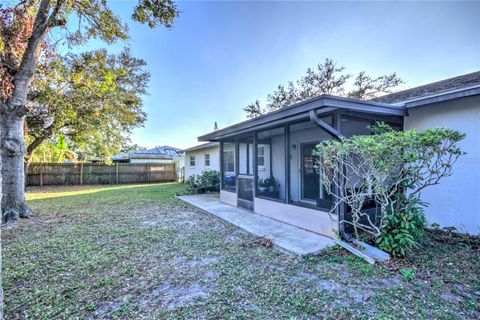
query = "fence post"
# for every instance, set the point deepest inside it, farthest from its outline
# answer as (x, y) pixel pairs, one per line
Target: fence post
(148, 172)
(116, 173)
(41, 174)
(81, 173)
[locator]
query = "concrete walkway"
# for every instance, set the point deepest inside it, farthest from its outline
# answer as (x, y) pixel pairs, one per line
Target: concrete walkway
(285, 237)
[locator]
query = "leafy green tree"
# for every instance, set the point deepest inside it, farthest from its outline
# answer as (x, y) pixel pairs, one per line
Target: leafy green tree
(24, 46)
(55, 150)
(325, 78)
(94, 99)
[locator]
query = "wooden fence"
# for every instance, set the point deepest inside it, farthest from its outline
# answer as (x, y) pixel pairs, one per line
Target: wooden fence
(41, 174)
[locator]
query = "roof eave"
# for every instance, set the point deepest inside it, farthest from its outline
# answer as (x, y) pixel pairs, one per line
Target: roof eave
(326, 102)
(204, 146)
(443, 97)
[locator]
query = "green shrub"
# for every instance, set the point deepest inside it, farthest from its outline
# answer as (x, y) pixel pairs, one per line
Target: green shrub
(407, 274)
(384, 167)
(404, 227)
(208, 181)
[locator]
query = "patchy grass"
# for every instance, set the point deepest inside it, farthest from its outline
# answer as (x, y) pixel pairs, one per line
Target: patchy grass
(127, 252)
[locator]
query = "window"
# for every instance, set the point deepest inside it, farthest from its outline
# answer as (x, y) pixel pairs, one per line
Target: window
(261, 156)
(192, 161)
(207, 160)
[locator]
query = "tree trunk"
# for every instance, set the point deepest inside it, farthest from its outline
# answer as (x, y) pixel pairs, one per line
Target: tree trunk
(12, 117)
(14, 204)
(1, 287)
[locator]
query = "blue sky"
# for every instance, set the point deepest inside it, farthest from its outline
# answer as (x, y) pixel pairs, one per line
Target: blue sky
(220, 56)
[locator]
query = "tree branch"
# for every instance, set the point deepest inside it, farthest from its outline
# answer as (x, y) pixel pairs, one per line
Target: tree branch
(24, 76)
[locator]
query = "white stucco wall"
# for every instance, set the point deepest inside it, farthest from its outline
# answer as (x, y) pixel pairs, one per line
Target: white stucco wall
(200, 161)
(179, 166)
(456, 200)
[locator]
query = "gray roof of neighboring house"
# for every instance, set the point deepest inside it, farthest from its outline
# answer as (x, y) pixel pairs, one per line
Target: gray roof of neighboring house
(161, 152)
(469, 80)
(203, 146)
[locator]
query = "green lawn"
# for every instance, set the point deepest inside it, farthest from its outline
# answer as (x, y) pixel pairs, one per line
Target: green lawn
(136, 252)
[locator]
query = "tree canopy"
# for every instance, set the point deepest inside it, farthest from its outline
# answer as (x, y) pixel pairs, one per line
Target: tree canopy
(24, 27)
(94, 99)
(325, 78)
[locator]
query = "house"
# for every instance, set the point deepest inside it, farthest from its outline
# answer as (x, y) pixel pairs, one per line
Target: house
(161, 154)
(202, 157)
(267, 167)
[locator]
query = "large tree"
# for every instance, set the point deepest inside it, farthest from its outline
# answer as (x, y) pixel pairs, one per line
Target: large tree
(23, 42)
(325, 78)
(93, 99)
(1, 255)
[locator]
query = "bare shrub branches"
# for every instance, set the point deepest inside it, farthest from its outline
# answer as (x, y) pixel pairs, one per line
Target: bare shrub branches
(381, 166)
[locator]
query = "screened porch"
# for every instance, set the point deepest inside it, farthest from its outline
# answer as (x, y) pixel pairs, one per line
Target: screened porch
(269, 168)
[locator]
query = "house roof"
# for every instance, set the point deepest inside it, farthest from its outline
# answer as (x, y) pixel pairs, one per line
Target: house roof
(160, 152)
(203, 146)
(394, 104)
(300, 110)
(455, 84)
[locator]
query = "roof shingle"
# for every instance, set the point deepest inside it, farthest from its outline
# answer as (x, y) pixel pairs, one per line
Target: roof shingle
(451, 84)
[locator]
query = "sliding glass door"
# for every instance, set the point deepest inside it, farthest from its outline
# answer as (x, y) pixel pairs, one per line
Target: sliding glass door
(310, 177)
(312, 189)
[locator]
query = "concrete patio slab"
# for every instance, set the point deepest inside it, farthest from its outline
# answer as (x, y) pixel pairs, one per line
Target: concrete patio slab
(285, 237)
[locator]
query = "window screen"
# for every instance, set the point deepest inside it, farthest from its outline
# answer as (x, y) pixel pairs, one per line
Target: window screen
(229, 178)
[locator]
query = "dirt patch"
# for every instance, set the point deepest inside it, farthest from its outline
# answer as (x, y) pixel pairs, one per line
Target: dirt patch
(149, 223)
(172, 296)
(450, 298)
(105, 310)
(187, 223)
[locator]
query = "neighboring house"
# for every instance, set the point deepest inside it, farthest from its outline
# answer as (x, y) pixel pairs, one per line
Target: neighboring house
(162, 154)
(202, 157)
(277, 148)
